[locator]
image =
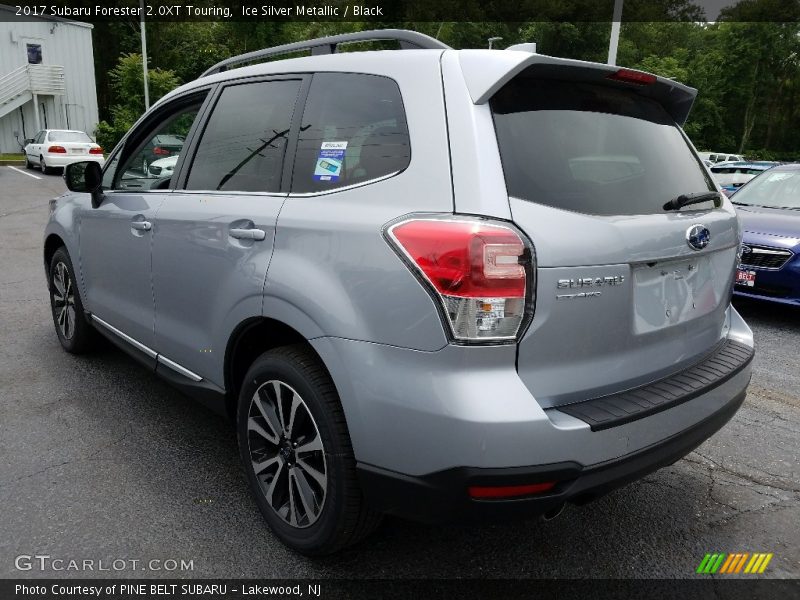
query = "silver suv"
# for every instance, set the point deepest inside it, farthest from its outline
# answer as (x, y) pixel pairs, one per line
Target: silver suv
(432, 283)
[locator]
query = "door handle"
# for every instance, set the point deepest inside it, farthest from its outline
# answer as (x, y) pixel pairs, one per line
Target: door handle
(248, 234)
(141, 225)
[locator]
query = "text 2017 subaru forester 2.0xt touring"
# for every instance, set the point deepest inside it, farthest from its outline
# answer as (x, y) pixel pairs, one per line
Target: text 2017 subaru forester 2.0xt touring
(432, 283)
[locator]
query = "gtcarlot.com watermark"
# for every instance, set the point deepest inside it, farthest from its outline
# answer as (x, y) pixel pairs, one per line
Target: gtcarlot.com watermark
(47, 563)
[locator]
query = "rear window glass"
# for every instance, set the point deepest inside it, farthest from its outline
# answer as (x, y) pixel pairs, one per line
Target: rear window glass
(68, 136)
(353, 131)
(592, 149)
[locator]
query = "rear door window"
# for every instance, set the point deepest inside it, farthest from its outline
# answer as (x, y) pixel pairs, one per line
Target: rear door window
(243, 145)
(592, 148)
(353, 131)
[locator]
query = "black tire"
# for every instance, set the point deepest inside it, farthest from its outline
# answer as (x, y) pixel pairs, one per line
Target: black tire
(43, 166)
(343, 519)
(78, 336)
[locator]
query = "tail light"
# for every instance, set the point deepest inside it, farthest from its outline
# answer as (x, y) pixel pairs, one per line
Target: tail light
(159, 151)
(97, 150)
(631, 76)
(57, 150)
(480, 273)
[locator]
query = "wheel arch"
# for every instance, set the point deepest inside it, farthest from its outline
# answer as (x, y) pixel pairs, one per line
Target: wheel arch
(52, 243)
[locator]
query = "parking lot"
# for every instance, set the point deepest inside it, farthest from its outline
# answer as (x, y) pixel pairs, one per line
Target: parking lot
(100, 460)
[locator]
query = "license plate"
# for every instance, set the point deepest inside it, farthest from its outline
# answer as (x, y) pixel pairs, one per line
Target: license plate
(747, 278)
(77, 150)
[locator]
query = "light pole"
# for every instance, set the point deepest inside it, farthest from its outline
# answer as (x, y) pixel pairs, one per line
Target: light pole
(144, 57)
(615, 25)
(492, 40)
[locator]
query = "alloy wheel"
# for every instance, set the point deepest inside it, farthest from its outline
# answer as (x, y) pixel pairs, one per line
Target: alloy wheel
(287, 453)
(63, 300)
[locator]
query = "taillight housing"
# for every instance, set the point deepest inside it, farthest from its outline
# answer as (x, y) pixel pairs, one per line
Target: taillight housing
(159, 151)
(97, 150)
(481, 273)
(57, 150)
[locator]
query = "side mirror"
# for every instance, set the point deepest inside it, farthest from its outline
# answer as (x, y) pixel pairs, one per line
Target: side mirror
(28, 141)
(85, 177)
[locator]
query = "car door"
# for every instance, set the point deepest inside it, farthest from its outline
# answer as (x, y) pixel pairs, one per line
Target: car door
(213, 235)
(116, 237)
(34, 150)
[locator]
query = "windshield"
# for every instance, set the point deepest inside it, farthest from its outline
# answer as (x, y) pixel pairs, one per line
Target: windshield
(776, 188)
(592, 148)
(69, 136)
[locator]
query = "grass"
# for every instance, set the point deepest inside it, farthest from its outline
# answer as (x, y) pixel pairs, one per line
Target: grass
(12, 157)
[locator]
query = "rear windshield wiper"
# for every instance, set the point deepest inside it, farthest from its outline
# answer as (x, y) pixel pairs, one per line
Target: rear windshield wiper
(687, 199)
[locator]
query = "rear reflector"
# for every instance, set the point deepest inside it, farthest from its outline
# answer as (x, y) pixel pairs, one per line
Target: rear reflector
(631, 76)
(475, 268)
(510, 491)
(57, 150)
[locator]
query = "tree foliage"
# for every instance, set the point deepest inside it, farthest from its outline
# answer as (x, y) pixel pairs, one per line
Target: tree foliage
(744, 66)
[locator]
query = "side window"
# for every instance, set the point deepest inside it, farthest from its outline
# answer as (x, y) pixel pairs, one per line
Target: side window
(39, 137)
(155, 150)
(244, 142)
(353, 130)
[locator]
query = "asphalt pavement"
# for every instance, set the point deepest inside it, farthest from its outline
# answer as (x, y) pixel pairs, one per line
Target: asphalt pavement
(101, 461)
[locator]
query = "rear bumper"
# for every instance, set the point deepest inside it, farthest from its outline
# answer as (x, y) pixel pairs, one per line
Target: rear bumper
(443, 496)
(62, 160)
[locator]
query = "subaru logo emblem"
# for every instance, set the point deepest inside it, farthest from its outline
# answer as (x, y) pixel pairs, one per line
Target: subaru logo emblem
(698, 236)
(746, 249)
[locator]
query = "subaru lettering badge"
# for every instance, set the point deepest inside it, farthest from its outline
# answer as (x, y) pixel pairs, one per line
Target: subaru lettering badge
(698, 236)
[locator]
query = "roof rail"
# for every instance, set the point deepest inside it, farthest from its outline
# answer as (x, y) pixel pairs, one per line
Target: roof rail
(409, 40)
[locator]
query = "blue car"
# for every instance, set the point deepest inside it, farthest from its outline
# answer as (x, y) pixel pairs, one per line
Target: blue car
(769, 210)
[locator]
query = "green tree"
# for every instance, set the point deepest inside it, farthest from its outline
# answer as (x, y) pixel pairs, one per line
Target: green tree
(127, 85)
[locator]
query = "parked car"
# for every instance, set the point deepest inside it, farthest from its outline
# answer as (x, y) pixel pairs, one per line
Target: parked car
(54, 149)
(159, 147)
(439, 284)
(716, 157)
(732, 175)
(163, 167)
(769, 209)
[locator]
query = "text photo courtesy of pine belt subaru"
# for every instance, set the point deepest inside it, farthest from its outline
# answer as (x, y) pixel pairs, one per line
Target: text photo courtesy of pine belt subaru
(56, 148)
(439, 284)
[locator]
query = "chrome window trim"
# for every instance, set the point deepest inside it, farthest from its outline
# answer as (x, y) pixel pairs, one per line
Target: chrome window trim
(345, 188)
(229, 193)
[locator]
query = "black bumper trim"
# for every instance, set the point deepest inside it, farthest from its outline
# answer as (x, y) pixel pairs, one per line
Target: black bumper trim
(442, 496)
(617, 409)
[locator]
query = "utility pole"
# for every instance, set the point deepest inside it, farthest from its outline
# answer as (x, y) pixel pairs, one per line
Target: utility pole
(616, 21)
(144, 57)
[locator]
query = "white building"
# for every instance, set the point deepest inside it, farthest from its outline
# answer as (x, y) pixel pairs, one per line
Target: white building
(46, 77)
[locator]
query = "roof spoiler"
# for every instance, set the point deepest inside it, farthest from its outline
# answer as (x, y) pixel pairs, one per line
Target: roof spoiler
(486, 72)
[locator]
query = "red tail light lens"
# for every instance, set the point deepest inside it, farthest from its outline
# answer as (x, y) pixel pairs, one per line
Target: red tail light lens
(509, 491)
(97, 150)
(631, 76)
(477, 270)
(57, 150)
(159, 151)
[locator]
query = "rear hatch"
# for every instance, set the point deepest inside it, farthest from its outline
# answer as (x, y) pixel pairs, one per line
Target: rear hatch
(622, 296)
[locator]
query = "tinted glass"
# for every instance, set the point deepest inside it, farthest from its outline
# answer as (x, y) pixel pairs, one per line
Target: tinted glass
(243, 145)
(592, 149)
(135, 172)
(776, 188)
(69, 136)
(353, 130)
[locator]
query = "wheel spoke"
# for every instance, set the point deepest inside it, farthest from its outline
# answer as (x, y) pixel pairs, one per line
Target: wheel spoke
(276, 386)
(292, 502)
(58, 298)
(267, 415)
(314, 445)
(252, 425)
(259, 467)
(58, 279)
(306, 494)
(70, 320)
(270, 493)
(316, 475)
(292, 412)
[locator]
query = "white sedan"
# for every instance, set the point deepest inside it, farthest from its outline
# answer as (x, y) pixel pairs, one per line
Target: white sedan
(56, 148)
(163, 167)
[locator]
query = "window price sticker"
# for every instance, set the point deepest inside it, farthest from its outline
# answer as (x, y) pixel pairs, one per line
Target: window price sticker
(329, 161)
